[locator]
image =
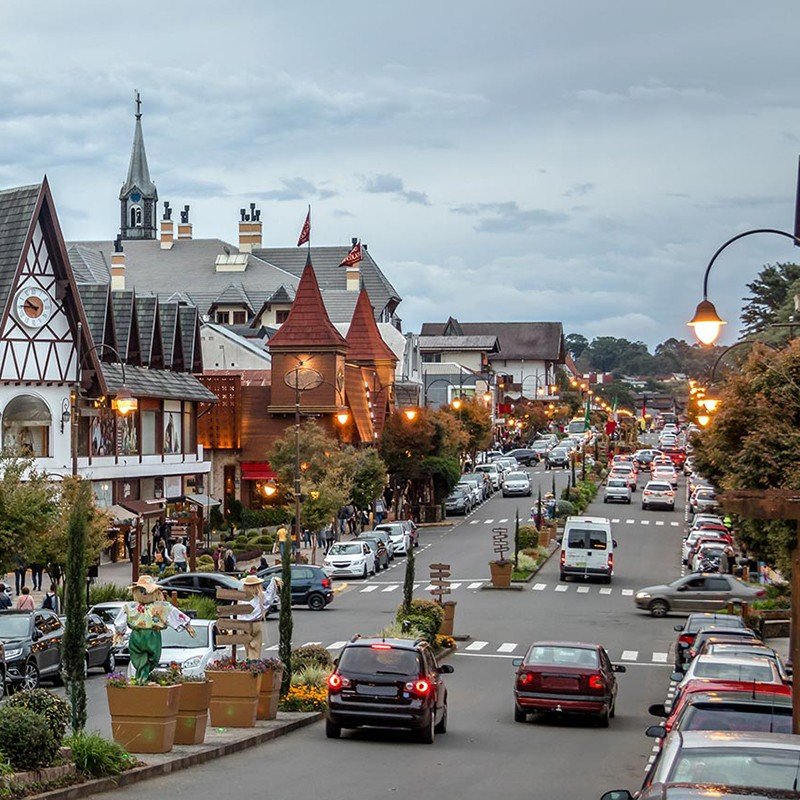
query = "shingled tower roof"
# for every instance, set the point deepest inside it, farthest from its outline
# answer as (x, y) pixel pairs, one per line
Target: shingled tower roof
(138, 171)
(308, 324)
(364, 341)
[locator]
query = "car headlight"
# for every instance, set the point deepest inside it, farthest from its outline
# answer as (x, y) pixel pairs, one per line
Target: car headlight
(642, 595)
(13, 652)
(191, 663)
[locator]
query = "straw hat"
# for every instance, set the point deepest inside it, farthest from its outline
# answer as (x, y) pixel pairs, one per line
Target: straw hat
(253, 580)
(147, 583)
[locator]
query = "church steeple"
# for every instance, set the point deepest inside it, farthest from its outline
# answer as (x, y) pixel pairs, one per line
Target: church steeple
(138, 196)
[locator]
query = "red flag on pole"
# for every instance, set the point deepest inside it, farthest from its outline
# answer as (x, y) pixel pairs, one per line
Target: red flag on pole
(353, 257)
(305, 233)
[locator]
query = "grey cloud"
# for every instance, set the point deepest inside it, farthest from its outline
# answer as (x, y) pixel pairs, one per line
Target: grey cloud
(508, 217)
(390, 184)
(182, 185)
(295, 189)
(579, 190)
(341, 212)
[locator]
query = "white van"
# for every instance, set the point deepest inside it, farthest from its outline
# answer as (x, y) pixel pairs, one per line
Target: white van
(587, 549)
(494, 473)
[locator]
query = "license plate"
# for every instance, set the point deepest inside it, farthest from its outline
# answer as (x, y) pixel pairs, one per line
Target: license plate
(376, 691)
(580, 563)
(557, 682)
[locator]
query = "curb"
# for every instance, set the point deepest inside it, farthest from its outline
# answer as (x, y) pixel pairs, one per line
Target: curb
(138, 774)
(518, 587)
(540, 566)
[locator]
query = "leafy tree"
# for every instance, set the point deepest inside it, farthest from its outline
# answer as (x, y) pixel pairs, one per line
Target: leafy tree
(475, 420)
(575, 343)
(369, 478)
(768, 293)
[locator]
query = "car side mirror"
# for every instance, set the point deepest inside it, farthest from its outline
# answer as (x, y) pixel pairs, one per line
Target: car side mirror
(676, 676)
(656, 732)
(516, 662)
(446, 669)
(617, 794)
(681, 589)
(615, 543)
(657, 710)
(618, 668)
(37, 634)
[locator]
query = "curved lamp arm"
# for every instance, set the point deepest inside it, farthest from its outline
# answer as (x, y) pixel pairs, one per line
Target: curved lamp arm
(114, 351)
(733, 347)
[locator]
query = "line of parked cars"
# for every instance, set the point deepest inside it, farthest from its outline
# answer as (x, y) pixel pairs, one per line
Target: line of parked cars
(473, 488)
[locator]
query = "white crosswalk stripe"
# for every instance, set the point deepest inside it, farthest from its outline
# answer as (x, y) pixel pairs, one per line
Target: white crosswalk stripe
(605, 590)
(539, 587)
(561, 588)
(629, 522)
(336, 645)
(659, 522)
(615, 520)
(503, 520)
(488, 521)
(660, 658)
(455, 585)
(369, 589)
(484, 649)
(645, 522)
(627, 592)
(473, 646)
(583, 590)
(474, 521)
(308, 644)
(507, 647)
(273, 647)
(475, 585)
(391, 588)
(629, 655)
(429, 587)
(674, 524)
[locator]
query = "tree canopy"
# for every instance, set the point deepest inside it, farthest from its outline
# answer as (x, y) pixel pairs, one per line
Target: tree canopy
(770, 292)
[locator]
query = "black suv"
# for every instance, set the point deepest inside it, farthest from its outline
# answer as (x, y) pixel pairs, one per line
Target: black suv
(387, 683)
(310, 585)
(32, 641)
(205, 584)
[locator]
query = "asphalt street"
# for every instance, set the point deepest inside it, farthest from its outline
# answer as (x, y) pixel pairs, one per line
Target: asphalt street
(484, 751)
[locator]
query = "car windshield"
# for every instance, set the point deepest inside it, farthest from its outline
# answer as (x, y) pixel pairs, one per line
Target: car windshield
(658, 487)
(618, 483)
(737, 718)
(14, 626)
(108, 615)
(379, 660)
(720, 621)
(171, 638)
(516, 476)
(733, 672)
(347, 549)
(587, 539)
(563, 655)
(762, 767)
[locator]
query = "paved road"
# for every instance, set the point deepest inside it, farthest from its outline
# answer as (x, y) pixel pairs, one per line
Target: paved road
(484, 752)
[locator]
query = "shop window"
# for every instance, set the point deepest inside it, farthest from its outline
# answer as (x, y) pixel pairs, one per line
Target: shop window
(26, 426)
(239, 317)
(173, 425)
(150, 428)
(281, 316)
(189, 431)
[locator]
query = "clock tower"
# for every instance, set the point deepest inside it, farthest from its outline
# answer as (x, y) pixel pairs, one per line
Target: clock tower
(138, 196)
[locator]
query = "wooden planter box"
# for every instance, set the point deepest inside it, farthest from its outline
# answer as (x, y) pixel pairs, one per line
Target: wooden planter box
(269, 694)
(234, 698)
(192, 718)
(448, 621)
(501, 573)
(143, 718)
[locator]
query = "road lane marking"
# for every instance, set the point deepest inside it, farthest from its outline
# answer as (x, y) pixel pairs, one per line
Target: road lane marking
(627, 592)
(474, 521)
(583, 590)
(369, 588)
(454, 585)
(336, 645)
(475, 585)
(615, 520)
(629, 655)
(561, 588)
(605, 591)
(488, 521)
(391, 588)
(476, 646)
(274, 647)
(660, 658)
(507, 647)
(659, 522)
(430, 587)
(645, 522)
(503, 520)
(308, 644)
(674, 524)
(539, 587)
(629, 522)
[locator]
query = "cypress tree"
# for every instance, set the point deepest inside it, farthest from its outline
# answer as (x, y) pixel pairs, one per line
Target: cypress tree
(516, 541)
(285, 624)
(408, 581)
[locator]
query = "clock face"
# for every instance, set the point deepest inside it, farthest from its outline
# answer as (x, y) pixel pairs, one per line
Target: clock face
(34, 307)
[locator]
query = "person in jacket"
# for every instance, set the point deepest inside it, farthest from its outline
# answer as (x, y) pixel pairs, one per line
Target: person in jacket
(25, 600)
(5, 600)
(51, 600)
(229, 562)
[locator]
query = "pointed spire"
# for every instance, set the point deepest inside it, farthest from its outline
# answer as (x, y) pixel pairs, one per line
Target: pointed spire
(138, 171)
(308, 323)
(364, 340)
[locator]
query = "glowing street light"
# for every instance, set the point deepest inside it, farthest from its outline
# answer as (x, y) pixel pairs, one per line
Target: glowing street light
(410, 413)
(342, 416)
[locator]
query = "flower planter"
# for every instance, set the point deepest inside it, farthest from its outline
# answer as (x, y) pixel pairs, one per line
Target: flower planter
(192, 718)
(269, 694)
(143, 718)
(448, 620)
(501, 573)
(234, 698)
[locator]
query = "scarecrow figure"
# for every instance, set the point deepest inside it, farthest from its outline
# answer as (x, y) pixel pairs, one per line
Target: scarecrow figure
(147, 616)
(261, 602)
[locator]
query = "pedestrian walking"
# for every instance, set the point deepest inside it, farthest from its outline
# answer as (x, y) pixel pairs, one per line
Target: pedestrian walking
(37, 571)
(262, 562)
(229, 561)
(25, 600)
(330, 538)
(161, 557)
(282, 534)
(20, 571)
(307, 537)
(51, 600)
(178, 555)
(131, 542)
(5, 600)
(218, 556)
(727, 560)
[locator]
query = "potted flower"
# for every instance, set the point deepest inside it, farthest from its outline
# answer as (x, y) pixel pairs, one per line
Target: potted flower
(270, 691)
(192, 717)
(501, 569)
(144, 714)
(235, 689)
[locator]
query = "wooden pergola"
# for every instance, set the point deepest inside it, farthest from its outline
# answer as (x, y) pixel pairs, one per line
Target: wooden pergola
(779, 505)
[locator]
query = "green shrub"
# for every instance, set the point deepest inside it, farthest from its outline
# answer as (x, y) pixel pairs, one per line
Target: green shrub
(205, 567)
(262, 517)
(528, 537)
(50, 706)
(205, 559)
(310, 676)
(311, 655)
(26, 738)
(204, 607)
(397, 631)
(96, 757)
(425, 615)
(564, 508)
(525, 563)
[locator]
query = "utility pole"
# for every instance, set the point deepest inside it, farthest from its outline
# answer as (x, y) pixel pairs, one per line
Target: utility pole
(297, 460)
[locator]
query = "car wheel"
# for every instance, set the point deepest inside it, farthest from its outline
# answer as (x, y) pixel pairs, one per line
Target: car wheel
(602, 719)
(428, 733)
(441, 725)
(605, 499)
(30, 676)
(562, 576)
(613, 712)
(658, 608)
(332, 730)
(316, 602)
(364, 573)
(110, 663)
(519, 714)
(628, 501)
(644, 506)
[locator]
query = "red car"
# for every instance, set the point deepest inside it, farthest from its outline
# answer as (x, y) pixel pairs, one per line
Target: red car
(566, 677)
(677, 455)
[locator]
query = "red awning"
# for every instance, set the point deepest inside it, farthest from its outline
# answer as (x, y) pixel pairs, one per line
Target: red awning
(257, 471)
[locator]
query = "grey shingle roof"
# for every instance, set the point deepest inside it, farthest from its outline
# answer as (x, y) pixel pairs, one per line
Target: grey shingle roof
(518, 340)
(94, 297)
(88, 265)
(146, 314)
(233, 294)
(168, 315)
(145, 382)
(340, 304)
(122, 303)
(138, 171)
(16, 210)
(458, 343)
(189, 322)
(283, 294)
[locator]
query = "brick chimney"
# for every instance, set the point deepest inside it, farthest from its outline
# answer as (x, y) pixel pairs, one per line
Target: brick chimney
(354, 273)
(184, 226)
(249, 229)
(118, 265)
(167, 228)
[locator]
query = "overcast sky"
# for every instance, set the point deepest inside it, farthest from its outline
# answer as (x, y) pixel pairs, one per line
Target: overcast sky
(576, 161)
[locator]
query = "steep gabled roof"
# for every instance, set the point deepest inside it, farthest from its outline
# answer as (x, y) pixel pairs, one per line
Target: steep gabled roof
(89, 265)
(168, 316)
(16, 214)
(308, 324)
(95, 301)
(364, 342)
(232, 295)
(190, 338)
(146, 314)
(122, 302)
(138, 171)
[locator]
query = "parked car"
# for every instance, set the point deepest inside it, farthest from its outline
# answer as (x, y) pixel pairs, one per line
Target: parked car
(566, 677)
(525, 456)
(737, 760)
(696, 592)
(658, 493)
(687, 632)
(205, 584)
(459, 501)
(721, 646)
(311, 586)
(381, 553)
(378, 530)
(517, 483)
(33, 641)
(110, 614)
(395, 531)
(390, 683)
(508, 463)
(493, 471)
(192, 654)
(717, 634)
(617, 490)
(349, 560)
(752, 670)
(702, 535)
(703, 500)
(3, 671)
(99, 644)
(484, 481)
(475, 487)
(587, 548)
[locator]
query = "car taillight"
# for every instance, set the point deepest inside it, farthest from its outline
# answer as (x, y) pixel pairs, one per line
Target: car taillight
(563, 557)
(610, 560)
(761, 593)
(334, 682)
(525, 678)
(326, 583)
(596, 682)
(380, 646)
(420, 687)
(686, 638)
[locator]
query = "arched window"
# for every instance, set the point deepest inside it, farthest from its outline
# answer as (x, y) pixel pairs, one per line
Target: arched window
(136, 217)
(26, 426)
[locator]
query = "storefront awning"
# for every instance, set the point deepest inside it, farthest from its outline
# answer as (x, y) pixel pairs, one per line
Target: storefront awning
(202, 500)
(120, 514)
(258, 471)
(145, 508)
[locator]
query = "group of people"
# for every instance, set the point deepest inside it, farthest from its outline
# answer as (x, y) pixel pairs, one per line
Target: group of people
(21, 575)
(177, 555)
(25, 600)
